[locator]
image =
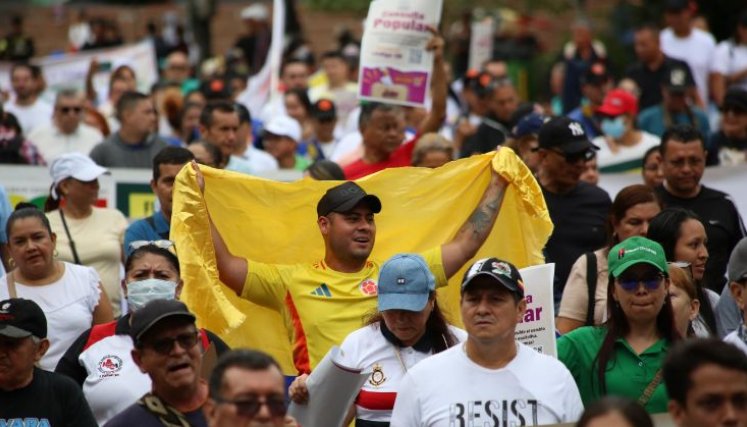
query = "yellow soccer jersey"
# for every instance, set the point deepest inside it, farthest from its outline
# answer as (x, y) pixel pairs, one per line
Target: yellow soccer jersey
(325, 305)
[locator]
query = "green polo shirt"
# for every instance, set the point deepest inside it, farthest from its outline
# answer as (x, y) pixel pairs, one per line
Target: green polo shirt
(628, 374)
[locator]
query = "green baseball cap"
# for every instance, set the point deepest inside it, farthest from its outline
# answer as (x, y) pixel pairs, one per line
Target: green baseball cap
(636, 250)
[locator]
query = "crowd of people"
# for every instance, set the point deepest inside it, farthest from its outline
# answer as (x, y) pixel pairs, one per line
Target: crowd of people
(649, 285)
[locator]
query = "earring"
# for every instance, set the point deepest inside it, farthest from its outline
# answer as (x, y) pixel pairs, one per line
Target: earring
(56, 253)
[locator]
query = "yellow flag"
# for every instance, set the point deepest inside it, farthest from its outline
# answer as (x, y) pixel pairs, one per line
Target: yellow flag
(275, 222)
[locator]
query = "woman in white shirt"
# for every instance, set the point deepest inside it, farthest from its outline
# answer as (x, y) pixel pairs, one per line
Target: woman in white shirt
(407, 328)
(70, 295)
(87, 235)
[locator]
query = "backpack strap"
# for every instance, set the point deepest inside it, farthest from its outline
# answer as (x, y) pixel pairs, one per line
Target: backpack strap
(152, 223)
(591, 285)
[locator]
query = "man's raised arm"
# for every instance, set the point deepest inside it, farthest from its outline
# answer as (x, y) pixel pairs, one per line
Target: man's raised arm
(232, 270)
(476, 229)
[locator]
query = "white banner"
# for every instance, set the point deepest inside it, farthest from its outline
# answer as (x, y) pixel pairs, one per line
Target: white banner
(481, 43)
(70, 70)
(395, 67)
(537, 330)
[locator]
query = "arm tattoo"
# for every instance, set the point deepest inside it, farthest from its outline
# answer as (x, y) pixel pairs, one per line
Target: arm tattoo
(482, 219)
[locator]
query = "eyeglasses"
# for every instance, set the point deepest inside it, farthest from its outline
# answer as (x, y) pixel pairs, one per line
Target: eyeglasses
(68, 110)
(165, 345)
(734, 109)
(576, 157)
(630, 284)
(684, 265)
(162, 244)
(249, 406)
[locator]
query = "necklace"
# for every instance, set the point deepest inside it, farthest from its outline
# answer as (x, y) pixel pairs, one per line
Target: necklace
(399, 358)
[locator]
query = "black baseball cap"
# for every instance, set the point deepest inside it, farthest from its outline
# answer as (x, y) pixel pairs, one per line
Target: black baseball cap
(736, 97)
(155, 311)
(21, 318)
(566, 134)
(324, 109)
(677, 79)
(344, 197)
(596, 74)
(502, 272)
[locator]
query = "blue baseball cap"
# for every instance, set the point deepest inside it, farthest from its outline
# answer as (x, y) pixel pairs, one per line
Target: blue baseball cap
(405, 283)
(530, 124)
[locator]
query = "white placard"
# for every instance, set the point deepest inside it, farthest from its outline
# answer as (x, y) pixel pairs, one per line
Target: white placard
(481, 43)
(395, 67)
(538, 327)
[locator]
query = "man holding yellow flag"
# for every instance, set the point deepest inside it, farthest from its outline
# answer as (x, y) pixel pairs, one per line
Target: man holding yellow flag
(327, 299)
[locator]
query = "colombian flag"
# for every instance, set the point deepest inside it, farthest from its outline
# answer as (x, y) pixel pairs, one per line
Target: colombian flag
(275, 222)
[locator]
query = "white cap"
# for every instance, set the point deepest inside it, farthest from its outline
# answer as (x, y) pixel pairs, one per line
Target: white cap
(257, 11)
(284, 126)
(74, 165)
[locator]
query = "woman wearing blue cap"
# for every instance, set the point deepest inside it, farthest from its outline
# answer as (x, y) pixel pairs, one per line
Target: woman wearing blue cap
(407, 328)
(623, 357)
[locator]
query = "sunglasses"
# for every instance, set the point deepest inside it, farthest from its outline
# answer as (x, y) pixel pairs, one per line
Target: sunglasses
(733, 109)
(630, 284)
(576, 157)
(249, 406)
(68, 110)
(165, 345)
(161, 244)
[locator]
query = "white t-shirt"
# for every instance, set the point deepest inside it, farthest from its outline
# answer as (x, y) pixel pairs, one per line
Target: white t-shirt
(259, 160)
(731, 58)
(449, 389)
(30, 117)
(626, 158)
(68, 305)
(368, 348)
(52, 143)
(697, 50)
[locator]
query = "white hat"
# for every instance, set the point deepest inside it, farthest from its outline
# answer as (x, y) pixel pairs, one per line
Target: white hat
(284, 126)
(257, 11)
(74, 165)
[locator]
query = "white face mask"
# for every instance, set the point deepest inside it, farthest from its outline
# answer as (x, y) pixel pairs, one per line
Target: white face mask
(142, 292)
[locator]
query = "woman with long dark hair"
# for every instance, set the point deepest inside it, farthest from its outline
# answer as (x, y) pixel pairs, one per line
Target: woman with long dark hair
(630, 214)
(682, 235)
(407, 328)
(623, 357)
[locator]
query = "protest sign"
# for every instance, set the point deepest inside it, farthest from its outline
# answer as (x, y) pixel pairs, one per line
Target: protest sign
(537, 329)
(70, 70)
(481, 43)
(395, 66)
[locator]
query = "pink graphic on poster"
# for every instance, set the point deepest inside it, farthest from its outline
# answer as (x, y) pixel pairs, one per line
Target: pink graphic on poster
(391, 84)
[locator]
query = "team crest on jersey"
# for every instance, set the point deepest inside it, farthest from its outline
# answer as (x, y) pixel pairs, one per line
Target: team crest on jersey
(369, 287)
(109, 366)
(377, 377)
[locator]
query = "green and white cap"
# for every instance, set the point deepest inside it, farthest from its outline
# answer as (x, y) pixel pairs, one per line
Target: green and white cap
(636, 250)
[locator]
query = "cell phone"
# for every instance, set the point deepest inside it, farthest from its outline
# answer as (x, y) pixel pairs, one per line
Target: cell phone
(104, 67)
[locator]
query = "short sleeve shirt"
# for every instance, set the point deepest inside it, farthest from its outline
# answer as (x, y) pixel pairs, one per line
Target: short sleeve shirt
(326, 305)
(628, 374)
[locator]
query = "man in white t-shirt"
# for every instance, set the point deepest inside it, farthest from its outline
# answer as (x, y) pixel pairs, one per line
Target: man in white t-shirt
(680, 40)
(30, 110)
(730, 59)
(492, 378)
(66, 133)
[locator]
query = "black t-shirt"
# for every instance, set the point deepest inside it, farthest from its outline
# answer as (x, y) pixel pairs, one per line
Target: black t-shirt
(489, 135)
(650, 81)
(580, 219)
(51, 399)
(723, 226)
(137, 416)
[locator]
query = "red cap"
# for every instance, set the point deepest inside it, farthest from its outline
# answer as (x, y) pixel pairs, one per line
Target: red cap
(618, 102)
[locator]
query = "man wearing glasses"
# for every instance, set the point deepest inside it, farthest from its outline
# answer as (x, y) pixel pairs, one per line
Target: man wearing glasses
(683, 155)
(66, 133)
(247, 389)
(166, 349)
(578, 210)
(29, 395)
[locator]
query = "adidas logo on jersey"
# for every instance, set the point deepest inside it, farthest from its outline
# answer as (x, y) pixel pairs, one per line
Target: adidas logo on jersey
(322, 291)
